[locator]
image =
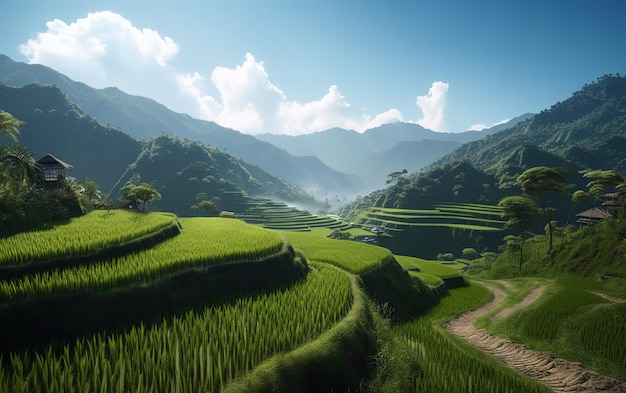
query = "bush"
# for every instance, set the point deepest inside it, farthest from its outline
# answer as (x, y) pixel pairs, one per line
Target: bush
(339, 234)
(448, 256)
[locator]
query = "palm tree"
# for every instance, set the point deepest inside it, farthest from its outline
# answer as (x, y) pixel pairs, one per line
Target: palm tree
(18, 168)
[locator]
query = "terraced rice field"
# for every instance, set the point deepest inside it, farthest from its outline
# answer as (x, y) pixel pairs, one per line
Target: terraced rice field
(475, 217)
(203, 241)
(198, 350)
(278, 215)
(82, 235)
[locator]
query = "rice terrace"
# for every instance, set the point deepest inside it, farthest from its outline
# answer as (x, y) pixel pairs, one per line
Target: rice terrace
(221, 305)
(500, 266)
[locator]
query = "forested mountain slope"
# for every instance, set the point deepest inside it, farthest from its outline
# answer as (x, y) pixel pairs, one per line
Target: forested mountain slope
(375, 153)
(587, 131)
(144, 118)
(178, 169)
(54, 125)
(186, 173)
(579, 129)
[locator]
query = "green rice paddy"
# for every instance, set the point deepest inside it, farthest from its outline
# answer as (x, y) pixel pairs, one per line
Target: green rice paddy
(474, 217)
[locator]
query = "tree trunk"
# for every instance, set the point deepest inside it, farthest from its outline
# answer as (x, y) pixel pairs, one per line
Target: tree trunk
(549, 236)
(521, 254)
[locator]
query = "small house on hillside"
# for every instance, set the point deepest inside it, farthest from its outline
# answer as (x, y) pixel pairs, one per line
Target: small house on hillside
(611, 202)
(592, 216)
(614, 200)
(54, 171)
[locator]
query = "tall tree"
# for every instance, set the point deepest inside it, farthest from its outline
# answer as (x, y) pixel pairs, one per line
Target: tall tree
(18, 167)
(541, 183)
(396, 177)
(602, 179)
(522, 212)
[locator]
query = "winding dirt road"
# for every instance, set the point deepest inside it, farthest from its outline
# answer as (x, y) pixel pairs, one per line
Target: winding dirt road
(557, 374)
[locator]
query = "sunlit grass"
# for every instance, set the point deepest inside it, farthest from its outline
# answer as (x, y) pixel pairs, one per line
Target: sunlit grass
(81, 235)
(202, 242)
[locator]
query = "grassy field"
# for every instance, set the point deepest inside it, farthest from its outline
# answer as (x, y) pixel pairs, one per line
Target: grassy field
(358, 317)
(203, 241)
(573, 318)
(80, 236)
(435, 268)
(354, 257)
(449, 365)
(197, 351)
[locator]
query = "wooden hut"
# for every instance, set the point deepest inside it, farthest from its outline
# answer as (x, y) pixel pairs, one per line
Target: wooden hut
(54, 171)
(614, 200)
(592, 216)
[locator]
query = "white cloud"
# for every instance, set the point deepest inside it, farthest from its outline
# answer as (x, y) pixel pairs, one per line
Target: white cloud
(102, 48)
(477, 127)
(480, 127)
(105, 49)
(192, 85)
(432, 106)
(251, 103)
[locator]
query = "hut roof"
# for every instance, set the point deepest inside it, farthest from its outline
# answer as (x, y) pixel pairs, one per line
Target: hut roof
(595, 213)
(50, 161)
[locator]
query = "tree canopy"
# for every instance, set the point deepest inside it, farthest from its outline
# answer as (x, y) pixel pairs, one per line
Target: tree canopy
(139, 195)
(541, 183)
(522, 212)
(23, 202)
(602, 179)
(9, 125)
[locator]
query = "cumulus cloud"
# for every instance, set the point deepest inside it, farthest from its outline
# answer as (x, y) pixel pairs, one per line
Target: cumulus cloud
(433, 106)
(104, 49)
(99, 48)
(480, 126)
(250, 102)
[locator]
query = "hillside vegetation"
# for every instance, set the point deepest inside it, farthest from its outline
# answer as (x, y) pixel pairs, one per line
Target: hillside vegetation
(185, 173)
(178, 169)
(143, 119)
(105, 299)
(587, 129)
(584, 132)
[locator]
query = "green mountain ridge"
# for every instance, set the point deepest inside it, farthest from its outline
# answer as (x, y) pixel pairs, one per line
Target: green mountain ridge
(587, 131)
(178, 169)
(54, 125)
(584, 122)
(375, 153)
(144, 118)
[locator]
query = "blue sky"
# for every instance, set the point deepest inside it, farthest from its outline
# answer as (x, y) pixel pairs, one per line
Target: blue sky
(296, 67)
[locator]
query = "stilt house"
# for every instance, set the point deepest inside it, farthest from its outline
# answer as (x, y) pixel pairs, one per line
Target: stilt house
(54, 171)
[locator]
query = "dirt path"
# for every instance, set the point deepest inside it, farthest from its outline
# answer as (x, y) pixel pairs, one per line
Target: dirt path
(558, 374)
(534, 294)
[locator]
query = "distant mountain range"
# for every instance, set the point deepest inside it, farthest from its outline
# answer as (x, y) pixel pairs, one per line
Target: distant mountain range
(143, 118)
(335, 161)
(182, 171)
(374, 154)
(588, 130)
